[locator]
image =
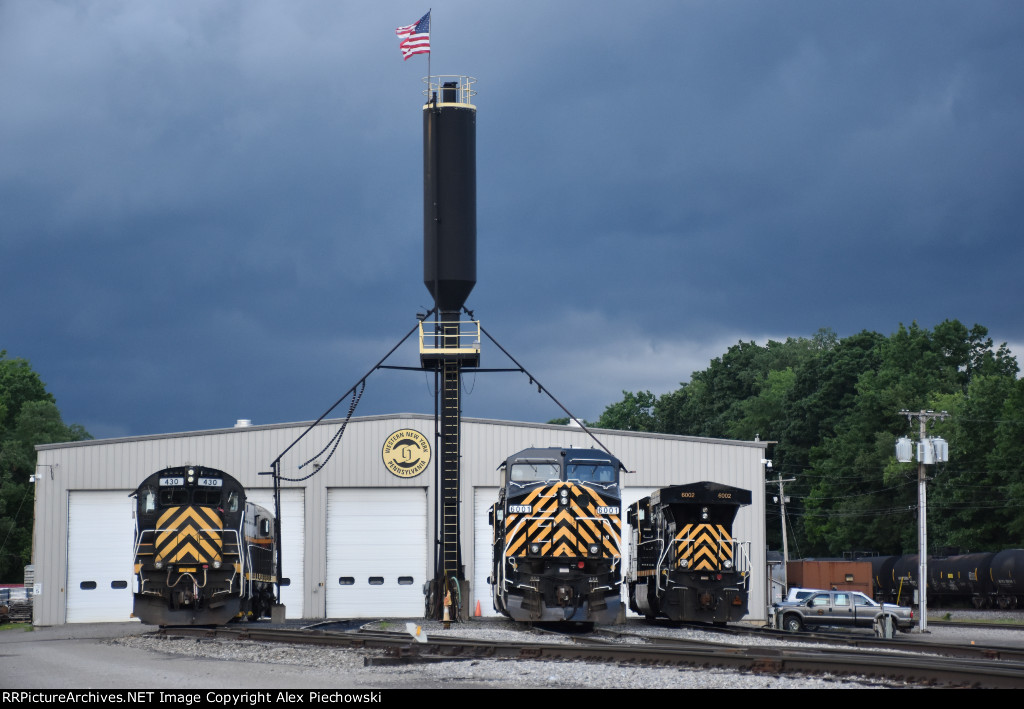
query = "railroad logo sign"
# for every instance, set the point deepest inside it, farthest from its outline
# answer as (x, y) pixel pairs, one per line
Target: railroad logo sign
(406, 453)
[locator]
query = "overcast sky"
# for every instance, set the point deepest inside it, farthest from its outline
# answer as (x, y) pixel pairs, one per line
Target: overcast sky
(212, 209)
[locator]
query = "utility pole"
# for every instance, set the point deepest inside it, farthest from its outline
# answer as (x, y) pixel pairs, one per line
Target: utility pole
(781, 498)
(929, 451)
(782, 511)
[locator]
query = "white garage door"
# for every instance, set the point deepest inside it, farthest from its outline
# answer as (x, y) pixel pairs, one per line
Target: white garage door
(101, 541)
(483, 498)
(293, 543)
(629, 496)
(376, 552)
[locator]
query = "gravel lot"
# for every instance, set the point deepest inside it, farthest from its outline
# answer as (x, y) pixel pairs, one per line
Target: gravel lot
(346, 666)
(126, 656)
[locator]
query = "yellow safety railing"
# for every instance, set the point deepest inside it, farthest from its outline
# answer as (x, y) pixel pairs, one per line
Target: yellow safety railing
(455, 337)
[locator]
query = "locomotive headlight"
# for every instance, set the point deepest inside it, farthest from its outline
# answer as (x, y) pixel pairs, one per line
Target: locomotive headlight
(704, 513)
(564, 493)
(684, 564)
(158, 563)
(593, 549)
(535, 548)
(216, 564)
(727, 564)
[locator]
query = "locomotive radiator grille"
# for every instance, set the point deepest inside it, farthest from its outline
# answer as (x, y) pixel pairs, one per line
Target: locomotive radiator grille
(563, 530)
(189, 535)
(704, 547)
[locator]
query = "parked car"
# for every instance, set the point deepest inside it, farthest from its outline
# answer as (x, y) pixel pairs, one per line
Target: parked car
(851, 609)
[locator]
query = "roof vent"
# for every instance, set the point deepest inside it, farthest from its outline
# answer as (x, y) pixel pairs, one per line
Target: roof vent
(243, 423)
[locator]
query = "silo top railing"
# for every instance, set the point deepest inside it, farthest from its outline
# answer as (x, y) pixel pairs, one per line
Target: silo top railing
(450, 89)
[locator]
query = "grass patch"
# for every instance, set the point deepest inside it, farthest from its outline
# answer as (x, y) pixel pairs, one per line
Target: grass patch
(951, 618)
(27, 627)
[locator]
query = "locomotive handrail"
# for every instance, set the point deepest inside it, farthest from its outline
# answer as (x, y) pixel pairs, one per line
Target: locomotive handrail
(183, 575)
(657, 568)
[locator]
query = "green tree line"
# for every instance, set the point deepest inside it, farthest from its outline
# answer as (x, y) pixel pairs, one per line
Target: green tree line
(831, 407)
(28, 417)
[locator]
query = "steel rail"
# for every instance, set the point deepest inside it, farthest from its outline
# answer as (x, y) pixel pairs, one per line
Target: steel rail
(927, 669)
(903, 642)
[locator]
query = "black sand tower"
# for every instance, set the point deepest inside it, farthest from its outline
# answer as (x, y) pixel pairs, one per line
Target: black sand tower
(447, 343)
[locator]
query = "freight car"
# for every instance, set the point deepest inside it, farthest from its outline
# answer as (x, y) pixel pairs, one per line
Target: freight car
(557, 530)
(204, 555)
(986, 579)
(685, 564)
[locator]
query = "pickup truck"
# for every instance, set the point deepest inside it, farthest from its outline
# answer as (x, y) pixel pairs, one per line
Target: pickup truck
(840, 608)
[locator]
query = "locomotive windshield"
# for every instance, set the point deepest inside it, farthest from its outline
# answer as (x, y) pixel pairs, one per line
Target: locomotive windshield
(203, 496)
(534, 471)
(591, 472)
(178, 496)
(172, 496)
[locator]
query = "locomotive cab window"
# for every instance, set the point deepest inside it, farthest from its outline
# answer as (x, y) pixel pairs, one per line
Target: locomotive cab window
(204, 496)
(232, 505)
(527, 472)
(173, 496)
(147, 499)
(590, 473)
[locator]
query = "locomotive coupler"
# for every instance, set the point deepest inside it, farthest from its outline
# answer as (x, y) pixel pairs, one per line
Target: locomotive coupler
(564, 595)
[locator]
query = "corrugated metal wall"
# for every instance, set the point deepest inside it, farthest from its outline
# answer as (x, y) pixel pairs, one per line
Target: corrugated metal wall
(120, 464)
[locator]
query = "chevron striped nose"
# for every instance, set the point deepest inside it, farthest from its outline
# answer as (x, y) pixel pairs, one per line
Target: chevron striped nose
(189, 535)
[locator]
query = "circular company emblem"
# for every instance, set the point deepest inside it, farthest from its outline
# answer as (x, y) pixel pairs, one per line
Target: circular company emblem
(406, 453)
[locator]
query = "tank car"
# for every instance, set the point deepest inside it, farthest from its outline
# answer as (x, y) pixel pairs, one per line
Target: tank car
(881, 576)
(204, 555)
(557, 529)
(906, 573)
(1006, 574)
(685, 564)
(960, 577)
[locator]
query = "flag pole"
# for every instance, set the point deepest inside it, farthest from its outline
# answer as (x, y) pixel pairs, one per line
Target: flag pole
(430, 28)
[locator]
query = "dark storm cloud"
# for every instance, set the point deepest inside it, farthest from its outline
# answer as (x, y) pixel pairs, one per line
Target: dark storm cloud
(213, 210)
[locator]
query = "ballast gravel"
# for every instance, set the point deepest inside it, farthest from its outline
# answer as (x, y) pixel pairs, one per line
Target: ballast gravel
(347, 667)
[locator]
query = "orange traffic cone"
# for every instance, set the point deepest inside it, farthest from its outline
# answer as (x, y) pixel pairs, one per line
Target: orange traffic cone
(477, 614)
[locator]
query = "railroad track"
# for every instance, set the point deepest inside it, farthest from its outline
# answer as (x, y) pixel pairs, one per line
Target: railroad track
(902, 642)
(923, 668)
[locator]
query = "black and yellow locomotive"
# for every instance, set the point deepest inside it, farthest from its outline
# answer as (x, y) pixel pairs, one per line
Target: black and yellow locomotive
(557, 536)
(204, 555)
(685, 564)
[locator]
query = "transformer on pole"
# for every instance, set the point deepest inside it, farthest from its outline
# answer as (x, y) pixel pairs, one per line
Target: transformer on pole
(929, 452)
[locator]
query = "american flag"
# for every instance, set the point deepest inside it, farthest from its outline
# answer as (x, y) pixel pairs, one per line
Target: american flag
(415, 37)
